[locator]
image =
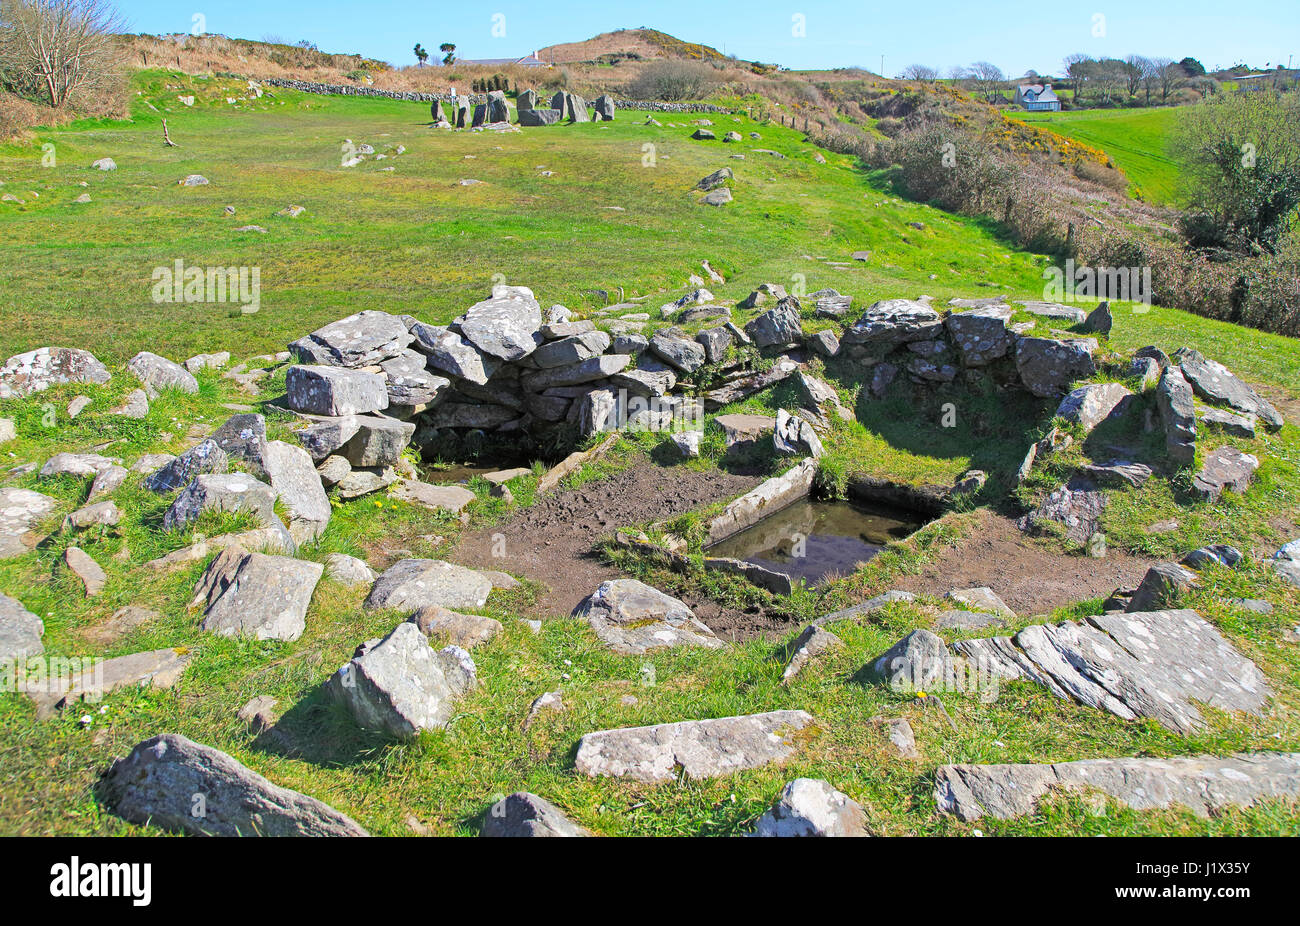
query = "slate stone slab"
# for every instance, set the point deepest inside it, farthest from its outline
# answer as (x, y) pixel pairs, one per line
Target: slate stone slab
(158, 782)
(295, 480)
(1075, 507)
(378, 441)
(161, 668)
(410, 382)
(243, 437)
(1226, 469)
(400, 685)
(526, 815)
(450, 353)
(890, 323)
(255, 595)
(205, 458)
(779, 326)
(506, 326)
(699, 748)
(1143, 664)
(981, 335)
(1178, 413)
(1214, 382)
(632, 618)
(361, 340)
(1088, 406)
(1202, 784)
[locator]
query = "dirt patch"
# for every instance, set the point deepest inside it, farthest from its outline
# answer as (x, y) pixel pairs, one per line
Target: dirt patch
(1028, 575)
(551, 542)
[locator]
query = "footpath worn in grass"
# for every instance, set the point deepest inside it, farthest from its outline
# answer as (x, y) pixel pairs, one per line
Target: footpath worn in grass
(414, 241)
(1135, 138)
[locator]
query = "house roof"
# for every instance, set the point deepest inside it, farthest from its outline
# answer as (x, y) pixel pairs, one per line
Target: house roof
(1040, 93)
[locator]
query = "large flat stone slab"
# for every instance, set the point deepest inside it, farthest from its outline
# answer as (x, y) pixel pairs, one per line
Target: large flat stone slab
(364, 339)
(1155, 664)
(770, 496)
(701, 748)
(632, 618)
(160, 668)
(172, 782)
(1202, 784)
(506, 326)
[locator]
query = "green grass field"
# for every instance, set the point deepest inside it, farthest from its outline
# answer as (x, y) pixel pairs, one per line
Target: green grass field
(414, 241)
(1135, 138)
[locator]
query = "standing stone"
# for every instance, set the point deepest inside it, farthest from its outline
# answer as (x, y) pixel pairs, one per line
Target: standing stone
(436, 114)
(399, 685)
(1100, 320)
(812, 642)
(296, 482)
(497, 108)
(480, 115)
(1178, 413)
(811, 807)
(526, 815)
(411, 584)
(243, 438)
(156, 784)
(527, 100)
(604, 108)
(699, 749)
(255, 595)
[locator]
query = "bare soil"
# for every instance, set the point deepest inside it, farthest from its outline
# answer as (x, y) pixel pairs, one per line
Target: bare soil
(1029, 575)
(552, 541)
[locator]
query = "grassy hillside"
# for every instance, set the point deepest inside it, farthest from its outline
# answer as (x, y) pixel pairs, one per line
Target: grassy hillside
(415, 241)
(1135, 138)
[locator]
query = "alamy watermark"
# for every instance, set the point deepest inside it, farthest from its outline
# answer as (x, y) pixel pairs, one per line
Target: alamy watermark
(1074, 283)
(181, 284)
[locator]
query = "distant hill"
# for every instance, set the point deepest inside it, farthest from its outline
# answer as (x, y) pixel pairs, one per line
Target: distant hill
(635, 44)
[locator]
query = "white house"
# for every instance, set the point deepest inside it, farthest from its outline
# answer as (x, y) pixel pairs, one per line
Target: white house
(1037, 97)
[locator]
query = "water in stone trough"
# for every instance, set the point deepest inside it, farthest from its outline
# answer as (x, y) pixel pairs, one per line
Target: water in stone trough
(811, 540)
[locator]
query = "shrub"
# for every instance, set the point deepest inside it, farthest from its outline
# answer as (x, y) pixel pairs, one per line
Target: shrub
(672, 81)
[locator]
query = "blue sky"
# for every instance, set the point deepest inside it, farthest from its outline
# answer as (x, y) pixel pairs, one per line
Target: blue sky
(1013, 34)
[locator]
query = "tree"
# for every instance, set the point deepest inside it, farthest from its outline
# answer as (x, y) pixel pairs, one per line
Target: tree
(448, 53)
(1239, 156)
(1191, 67)
(919, 72)
(1167, 75)
(1077, 69)
(987, 78)
(1135, 66)
(421, 55)
(59, 48)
